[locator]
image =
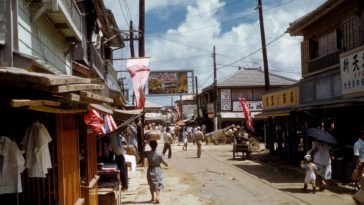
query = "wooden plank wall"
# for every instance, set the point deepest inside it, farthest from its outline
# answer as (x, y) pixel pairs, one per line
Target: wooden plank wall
(68, 159)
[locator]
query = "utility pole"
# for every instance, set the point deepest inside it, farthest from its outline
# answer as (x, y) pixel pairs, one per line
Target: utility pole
(264, 48)
(132, 53)
(215, 89)
(180, 107)
(141, 27)
(198, 107)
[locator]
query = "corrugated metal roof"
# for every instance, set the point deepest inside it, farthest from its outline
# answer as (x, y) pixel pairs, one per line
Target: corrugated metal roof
(251, 77)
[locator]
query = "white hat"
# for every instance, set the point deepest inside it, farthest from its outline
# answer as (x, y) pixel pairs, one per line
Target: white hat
(307, 157)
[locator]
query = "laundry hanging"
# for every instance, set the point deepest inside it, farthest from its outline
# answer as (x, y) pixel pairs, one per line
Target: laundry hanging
(12, 166)
(37, 157)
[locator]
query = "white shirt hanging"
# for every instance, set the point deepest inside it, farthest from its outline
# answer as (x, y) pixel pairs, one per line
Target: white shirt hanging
(10, 181)
(37, 158)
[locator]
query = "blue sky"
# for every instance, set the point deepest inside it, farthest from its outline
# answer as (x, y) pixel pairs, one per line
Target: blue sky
(180, 35)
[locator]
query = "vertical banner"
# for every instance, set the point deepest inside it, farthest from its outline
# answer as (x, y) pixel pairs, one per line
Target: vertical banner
(139, 71)
(248, 119)
(225, 99)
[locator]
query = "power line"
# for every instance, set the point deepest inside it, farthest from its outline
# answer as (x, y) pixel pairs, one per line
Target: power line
(226, 21)
(122, 11)
(200, 14)
(127, 7)
(256, 51)
(181, 58)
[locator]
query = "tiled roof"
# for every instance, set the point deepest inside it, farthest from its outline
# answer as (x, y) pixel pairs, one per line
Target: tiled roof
(250, 77)
(313, 15)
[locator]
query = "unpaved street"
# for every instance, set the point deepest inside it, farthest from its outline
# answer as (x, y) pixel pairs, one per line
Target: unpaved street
(217, 179)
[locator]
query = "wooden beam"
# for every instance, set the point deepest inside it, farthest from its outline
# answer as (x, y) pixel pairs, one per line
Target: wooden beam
(92, 96)
(41, 78)
(57, 110)
(72, 97)
(27, 102)
(61, 26)
(76, 87)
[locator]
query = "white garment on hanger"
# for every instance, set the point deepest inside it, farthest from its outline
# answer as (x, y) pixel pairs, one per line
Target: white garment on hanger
(10, 179)
(37, 158)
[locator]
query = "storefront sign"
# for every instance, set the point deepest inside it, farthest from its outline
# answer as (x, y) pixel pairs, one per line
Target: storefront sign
(225, 99)
(168, 82)
(352, 72)
(253, 106)
(189, 110)
(282, 98)
(210, 108)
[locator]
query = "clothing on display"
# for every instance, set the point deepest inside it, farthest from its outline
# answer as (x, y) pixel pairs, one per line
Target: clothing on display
(35, 142)
(12, 167)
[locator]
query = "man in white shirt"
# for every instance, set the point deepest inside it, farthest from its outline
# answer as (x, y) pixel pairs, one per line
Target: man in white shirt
(359, 161)
(167, 142)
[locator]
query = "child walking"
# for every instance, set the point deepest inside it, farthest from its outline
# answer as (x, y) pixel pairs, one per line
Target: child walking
(310, 169)
(154, 172)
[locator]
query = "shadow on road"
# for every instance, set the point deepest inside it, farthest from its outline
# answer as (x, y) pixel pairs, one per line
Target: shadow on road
(137, 202)
(272, 174)
(296, 190)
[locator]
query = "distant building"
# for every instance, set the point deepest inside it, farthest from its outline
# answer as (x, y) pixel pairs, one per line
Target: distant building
(246, 83)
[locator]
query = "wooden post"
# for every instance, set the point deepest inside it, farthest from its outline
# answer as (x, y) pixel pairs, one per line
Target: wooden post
(264, 48)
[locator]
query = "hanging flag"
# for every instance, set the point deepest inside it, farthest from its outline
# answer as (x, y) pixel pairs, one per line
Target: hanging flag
(248, 119)
(95, 121)
(139, 71)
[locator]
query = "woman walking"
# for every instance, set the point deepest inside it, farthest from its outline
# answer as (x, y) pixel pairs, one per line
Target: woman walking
(154, 172)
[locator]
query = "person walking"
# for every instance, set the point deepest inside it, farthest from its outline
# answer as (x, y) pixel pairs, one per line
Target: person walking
(310, 176)
(322, 159)
(185, 140)
(199, 136)
(358, 150)
(167, 137)
(154, 172)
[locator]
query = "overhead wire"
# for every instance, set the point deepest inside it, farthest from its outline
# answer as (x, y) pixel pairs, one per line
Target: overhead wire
(200, 14)
(122, 11)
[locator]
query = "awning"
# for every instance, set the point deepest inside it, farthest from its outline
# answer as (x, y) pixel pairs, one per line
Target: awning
(272, 114)
(102, 108)
(124, 115)
(237, 115)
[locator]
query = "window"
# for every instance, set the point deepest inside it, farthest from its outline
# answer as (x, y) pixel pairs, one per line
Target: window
(327, 44)
(353, 32)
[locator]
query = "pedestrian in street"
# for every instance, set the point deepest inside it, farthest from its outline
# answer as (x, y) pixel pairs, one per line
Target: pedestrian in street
(167, 137)
(322, 158)
(359, 162)
(154, 172)
(310, 169)
(185, 140)
(199, 136)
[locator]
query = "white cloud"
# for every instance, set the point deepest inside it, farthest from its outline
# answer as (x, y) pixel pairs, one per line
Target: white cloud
(199, 34)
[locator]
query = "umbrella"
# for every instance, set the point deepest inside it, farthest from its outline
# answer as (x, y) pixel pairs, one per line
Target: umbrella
(321, 135)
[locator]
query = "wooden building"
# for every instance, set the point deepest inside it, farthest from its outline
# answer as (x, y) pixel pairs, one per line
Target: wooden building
(331, 90)
(44, 45)
(246, 83)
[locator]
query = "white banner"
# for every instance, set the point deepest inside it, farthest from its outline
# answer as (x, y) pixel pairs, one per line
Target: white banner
(253, 106)
(225, 99)
(352, 72)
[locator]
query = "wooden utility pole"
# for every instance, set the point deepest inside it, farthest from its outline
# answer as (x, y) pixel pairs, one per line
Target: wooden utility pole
(215, 90)
(198, 107)
(141, 27)
(180, 107)
(132, 53)
(264, 48)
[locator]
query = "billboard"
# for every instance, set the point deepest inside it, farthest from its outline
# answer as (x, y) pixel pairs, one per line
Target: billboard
(168, 82)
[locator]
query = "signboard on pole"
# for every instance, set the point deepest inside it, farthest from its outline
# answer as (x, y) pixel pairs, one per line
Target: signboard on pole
(168, 82)
(225, 99)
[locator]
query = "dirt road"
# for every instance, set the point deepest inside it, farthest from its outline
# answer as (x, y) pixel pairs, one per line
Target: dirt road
(217, 179)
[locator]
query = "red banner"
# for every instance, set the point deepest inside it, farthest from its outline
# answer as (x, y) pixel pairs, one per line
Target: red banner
(94, 121)
(248, 119)
(139, 71)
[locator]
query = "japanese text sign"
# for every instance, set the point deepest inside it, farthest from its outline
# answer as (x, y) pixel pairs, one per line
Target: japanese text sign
(352, 72)
(167, 82)
(282, 98)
